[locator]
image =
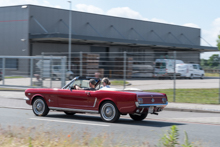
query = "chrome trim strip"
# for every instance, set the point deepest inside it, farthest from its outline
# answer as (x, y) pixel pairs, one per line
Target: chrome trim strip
(26, 98)
(95, 102)
(137, 104)
(148, 105)
(142, 110)
(73, 110)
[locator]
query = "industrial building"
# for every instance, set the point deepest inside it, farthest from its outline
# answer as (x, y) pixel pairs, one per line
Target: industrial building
(29, 30)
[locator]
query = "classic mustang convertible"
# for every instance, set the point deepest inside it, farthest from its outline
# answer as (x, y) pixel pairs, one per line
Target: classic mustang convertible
(110, 103)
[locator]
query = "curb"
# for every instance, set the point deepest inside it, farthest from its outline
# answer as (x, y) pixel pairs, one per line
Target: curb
(12, 90)
(190, 110)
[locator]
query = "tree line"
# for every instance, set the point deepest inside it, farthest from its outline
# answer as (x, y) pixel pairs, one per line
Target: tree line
(214, 60)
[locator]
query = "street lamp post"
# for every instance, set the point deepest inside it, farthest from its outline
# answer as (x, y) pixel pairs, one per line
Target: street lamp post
(70, 27)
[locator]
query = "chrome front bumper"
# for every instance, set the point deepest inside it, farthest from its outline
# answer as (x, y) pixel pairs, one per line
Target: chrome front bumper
(26, 98)
(148, 105)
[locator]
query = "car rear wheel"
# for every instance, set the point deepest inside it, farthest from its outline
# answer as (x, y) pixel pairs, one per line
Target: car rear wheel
(40, 107)
(71, 77)
(138, 117)
(69, 113)
(191, 76)
(109, 112)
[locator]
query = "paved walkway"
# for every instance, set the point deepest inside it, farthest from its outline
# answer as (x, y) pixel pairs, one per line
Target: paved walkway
(15, 100)
(143, 84)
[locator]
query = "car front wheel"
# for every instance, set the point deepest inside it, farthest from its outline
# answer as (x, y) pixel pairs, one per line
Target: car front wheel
(138, 117)
(202, 76)
(40, 107)
(109, 112)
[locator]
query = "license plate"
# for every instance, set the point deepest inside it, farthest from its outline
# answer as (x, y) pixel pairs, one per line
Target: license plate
(151, 109)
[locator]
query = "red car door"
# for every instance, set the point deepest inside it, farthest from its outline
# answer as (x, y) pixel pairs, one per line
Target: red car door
(75, 99)
(91, 98)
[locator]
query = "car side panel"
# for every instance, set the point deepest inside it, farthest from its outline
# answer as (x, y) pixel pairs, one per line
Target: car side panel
(124, 101)
(49, 95)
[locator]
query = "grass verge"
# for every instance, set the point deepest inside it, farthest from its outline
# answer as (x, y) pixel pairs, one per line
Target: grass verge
(13, 77)
(211, 74)
(118, 82)
(201, 96)
(11, 89)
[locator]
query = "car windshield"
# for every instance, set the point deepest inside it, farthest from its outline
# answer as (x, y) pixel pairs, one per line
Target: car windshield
(160, 65)
(81, 83)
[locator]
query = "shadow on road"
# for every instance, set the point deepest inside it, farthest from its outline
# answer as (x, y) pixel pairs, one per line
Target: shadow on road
(125, 121)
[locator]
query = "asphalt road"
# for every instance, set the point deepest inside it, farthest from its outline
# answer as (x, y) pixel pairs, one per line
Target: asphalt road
(200, 126)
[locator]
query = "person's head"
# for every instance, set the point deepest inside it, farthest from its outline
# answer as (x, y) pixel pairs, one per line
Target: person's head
(106, 81)
(97, 75)
(92, 83)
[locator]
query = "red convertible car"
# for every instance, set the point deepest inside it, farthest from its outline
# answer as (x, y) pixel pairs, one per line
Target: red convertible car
(110, 103)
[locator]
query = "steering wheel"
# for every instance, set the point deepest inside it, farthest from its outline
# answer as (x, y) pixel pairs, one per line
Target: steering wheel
(74, 87)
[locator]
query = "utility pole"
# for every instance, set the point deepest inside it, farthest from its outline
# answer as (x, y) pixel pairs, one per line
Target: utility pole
(70, 35)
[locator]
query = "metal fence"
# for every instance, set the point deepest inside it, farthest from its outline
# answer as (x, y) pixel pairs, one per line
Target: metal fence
(179, 74)
(31, 71)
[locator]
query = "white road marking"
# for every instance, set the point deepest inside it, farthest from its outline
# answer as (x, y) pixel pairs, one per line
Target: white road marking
(72, 122)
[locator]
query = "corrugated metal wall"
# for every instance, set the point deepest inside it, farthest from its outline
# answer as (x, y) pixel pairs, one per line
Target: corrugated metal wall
(13, 28)
(50, 19)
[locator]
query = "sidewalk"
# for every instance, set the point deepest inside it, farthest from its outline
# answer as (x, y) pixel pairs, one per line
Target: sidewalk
(188, 107)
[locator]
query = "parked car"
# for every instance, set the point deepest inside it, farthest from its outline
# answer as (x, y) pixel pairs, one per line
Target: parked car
(52, 71)
(190, 70)
(165, 68)
(56, 73)
(110, 103)
(0, 75)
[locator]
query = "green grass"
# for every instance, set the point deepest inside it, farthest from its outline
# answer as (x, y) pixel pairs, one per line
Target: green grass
(118, 82)
(211, 74)
(13, 77)
(201, 96)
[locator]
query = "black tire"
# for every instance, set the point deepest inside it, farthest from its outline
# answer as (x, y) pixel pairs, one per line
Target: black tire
(69, 113)
(191, 76)
(54, 77)
(137, 117)
(202, 76)
(40, 107)
(109, 112)
(71, 77)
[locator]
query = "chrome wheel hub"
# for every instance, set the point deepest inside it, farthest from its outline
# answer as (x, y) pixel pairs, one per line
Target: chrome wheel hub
(108, 111)
(39, 106)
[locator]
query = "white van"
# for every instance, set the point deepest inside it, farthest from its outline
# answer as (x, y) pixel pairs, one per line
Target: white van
(165, 67)
(190, 70)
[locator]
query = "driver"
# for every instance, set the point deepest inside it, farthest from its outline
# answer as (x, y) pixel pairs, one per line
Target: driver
(92, 83)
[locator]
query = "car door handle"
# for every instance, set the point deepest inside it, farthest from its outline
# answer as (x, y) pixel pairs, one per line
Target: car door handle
(88, 93)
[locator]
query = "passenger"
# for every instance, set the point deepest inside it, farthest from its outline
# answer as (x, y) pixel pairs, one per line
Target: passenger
(97, 76)
(106, 83)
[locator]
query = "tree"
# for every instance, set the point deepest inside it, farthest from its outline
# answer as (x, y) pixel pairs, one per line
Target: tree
(204, 62)
(218, 42)
(213, 60)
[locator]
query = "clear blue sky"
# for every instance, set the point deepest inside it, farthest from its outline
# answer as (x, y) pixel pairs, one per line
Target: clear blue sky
(204, 14)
